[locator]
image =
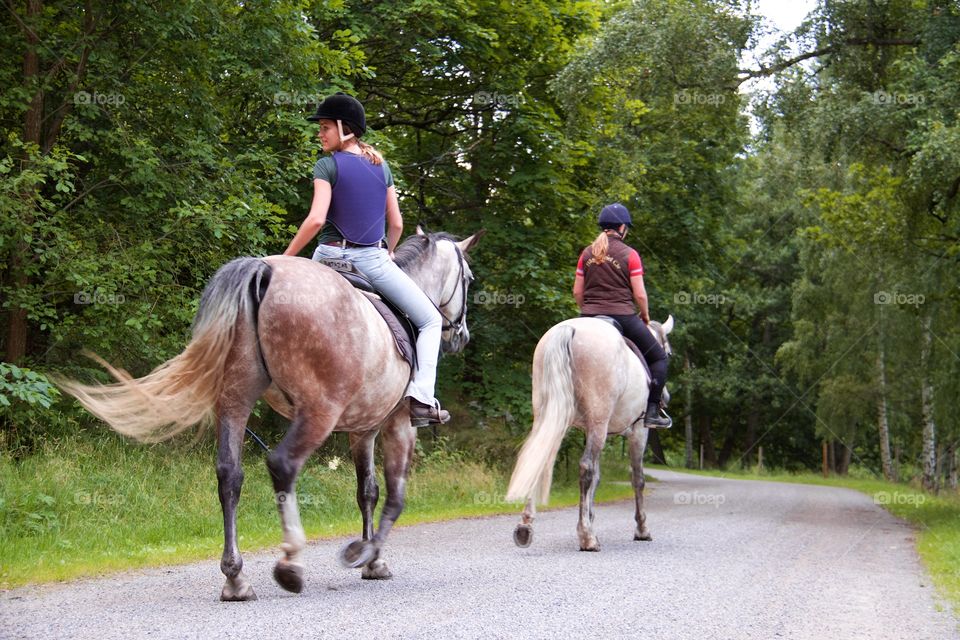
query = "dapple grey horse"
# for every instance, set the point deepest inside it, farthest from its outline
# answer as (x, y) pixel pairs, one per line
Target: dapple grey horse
(583, 375)
(298, 329)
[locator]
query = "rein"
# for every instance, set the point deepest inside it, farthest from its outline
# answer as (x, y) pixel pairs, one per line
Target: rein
(458, 323)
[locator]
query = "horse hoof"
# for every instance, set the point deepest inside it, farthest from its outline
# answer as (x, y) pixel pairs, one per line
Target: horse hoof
(523, 535)
(237, 590)
(643, 536)
(590, 545)
(376, 570)
(289, 576)
(356, 554)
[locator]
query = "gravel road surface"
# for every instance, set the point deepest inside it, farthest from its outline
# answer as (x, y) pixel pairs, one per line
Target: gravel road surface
(730, 559)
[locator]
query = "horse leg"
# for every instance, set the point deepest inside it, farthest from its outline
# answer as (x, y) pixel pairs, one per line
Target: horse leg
(244, 381)
(523, 534)
(638, 443)
(361, 448)
(589, 479)
(398, 442)
(305, 434)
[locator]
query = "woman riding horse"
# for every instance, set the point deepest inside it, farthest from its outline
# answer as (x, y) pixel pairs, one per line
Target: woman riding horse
(609, 281)
(353, 195)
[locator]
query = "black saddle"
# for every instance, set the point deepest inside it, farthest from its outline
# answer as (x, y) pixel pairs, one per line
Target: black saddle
(630, 343)
(404, 331)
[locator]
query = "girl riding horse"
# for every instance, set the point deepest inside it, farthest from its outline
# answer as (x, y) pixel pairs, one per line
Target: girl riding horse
(353, 196)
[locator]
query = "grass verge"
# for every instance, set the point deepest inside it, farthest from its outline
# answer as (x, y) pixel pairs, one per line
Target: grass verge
(85, 507)
(935, 517)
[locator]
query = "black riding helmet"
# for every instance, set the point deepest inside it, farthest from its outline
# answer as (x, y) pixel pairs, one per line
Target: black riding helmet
(614, 215)
(340, 106)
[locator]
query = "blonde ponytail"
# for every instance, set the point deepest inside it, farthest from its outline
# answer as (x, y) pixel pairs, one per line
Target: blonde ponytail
(600, 247)
(370, 153)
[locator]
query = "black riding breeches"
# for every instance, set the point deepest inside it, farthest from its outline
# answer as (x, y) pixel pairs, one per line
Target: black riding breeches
(635, 329)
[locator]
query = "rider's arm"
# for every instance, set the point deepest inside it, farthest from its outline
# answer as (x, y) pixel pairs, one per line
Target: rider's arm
(315, 219)
(640, 295)
(578, 290)
(394, 220)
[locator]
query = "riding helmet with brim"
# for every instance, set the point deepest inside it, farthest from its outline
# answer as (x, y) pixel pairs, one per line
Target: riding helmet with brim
(614, 215)
(340, 106)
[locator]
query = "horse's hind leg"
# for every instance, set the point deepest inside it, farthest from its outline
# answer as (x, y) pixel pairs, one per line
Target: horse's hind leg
(305, 434)
(523, 534)
(244, 382)
(589, 479)
(398, 442)
(361, 448)
(638, 443)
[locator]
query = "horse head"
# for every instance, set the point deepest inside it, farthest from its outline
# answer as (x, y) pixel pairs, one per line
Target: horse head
(437, 262)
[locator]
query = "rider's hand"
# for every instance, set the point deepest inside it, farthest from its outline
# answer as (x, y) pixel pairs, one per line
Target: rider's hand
(392, 257)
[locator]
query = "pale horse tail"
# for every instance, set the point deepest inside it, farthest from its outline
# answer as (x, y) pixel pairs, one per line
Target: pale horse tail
(554, 407)
(183, 391)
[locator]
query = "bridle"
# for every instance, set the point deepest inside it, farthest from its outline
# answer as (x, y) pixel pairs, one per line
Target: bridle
(464, 278)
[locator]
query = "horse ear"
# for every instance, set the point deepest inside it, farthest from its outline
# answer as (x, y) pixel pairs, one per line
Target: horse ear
(668, 325)
(469, 243)
(420, 231)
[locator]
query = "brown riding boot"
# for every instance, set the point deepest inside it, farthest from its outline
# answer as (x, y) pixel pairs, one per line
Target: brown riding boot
(422, 414)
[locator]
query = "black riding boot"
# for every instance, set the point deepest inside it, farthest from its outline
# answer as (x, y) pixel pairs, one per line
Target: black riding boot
(655, 418)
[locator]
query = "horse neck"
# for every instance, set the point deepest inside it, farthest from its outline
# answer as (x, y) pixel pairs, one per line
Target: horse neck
(426, 276)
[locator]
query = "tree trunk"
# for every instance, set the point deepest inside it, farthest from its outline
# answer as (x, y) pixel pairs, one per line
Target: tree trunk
(706, 440)
(753, 424)
(656, 448)
(16, 334)
(883, 425)
(728, 444)
(929, 461)
(689, 461)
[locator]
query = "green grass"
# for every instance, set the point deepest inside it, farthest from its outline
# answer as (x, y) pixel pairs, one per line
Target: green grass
(86, 507)
(935, 517)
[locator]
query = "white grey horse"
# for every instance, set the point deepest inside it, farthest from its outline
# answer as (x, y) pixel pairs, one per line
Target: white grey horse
(584, 375)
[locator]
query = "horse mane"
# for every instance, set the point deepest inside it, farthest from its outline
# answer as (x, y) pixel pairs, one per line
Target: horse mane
(417, 249)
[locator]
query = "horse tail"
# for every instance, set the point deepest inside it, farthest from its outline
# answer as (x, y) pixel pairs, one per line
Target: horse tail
(554, 406)
(183, 391)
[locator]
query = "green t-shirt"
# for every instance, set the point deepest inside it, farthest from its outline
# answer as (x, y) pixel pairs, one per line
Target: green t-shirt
(326, 169)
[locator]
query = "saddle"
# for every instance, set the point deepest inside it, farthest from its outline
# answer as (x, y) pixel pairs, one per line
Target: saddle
(403, 330)
(630, 343)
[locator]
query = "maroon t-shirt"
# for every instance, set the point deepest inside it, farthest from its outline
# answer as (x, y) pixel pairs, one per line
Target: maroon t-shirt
(606, 283)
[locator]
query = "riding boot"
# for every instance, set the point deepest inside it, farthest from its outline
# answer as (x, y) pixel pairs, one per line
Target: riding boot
(655, 418)
(422, 414)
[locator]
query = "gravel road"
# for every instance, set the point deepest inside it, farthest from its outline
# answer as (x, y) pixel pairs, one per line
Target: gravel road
(730, 559)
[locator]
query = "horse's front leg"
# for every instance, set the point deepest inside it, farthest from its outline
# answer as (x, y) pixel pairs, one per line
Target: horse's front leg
(368, 493)
(589, 479)
(398, 442)
(638, 444)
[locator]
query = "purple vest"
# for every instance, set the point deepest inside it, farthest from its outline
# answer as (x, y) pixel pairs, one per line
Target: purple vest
(359, 199)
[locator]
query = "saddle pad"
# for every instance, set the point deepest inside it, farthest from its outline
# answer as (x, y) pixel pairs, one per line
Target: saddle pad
(401, 327)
